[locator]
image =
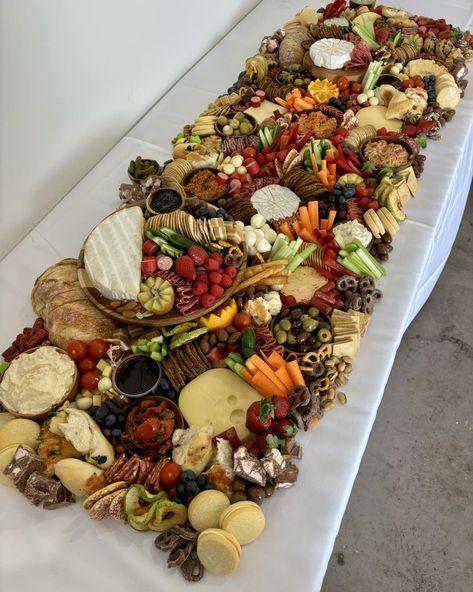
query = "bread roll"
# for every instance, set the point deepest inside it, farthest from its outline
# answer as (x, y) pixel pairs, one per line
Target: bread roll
(67, 312)
(79, 477)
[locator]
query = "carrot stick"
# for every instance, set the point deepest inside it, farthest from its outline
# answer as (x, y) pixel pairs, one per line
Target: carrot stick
(313, 160)
(306, 235)
(324, 166)
(333, 171)
(256, 362)
(246, 375)
(323, 177)
(297, 227)
(324, 224)
(276, 361)
(305, 219)
(286, 229)
(264, 385)
(314, 214)
(331, 219)
(295, 373)
(285, 377)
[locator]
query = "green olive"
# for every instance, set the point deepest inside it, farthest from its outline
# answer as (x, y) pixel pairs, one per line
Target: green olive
(310, 325)
(304, 317)
(277, 327)
(298, 82)
(291, 339)
(324, 335)
(313, 311)
(240, 116)
(285, 324)
(281, 337)
(222, 120)
(235, 123)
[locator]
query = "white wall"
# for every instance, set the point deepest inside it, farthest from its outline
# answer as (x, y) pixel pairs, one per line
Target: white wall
(75, 76)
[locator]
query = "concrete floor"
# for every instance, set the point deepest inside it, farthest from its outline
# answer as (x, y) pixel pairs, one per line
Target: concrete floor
(409, 522)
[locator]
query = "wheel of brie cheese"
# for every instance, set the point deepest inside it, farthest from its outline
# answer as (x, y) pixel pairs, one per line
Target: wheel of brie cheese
(331, 53)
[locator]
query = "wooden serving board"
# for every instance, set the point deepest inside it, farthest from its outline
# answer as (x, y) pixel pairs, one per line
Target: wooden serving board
(332, 75)
(173, 317)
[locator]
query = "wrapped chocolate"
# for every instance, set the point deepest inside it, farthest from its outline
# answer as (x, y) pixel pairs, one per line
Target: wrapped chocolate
(273, 463)
(248, 467)
(44, 490)
(288, 477)
(22, 465)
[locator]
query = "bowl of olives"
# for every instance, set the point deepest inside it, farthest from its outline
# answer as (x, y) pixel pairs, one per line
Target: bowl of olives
(302, 328)
(294, 75)
(236, 125)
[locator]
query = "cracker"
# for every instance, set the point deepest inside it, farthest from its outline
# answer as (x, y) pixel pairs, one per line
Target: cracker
(218, 551)
(245, 520)
(206, 508)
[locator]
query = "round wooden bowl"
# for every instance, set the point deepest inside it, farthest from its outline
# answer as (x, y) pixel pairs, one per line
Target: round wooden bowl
(157, 192)
(332, 75)
(179, 422)
(69, 396)
(275, 321)
(137, 181)
(173, 317)
(189, 176)
(389, 140)
(230, 115)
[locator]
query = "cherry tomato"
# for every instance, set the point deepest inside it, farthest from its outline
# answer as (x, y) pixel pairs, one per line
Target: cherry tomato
(242, 320)
(407, 84)
(148, 430)
(87, 364)
(343, 83)
(356, 87)
(89, 380)
(418, 82)
(170, 474)
(250, 152)
(98, 348)
(77, 349)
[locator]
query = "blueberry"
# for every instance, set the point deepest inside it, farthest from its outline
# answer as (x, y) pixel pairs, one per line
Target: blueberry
(187, 476)
(192, 488)
(181, 489)
(337, 191)
(120, 419)
(349, 192)
(93, 410)
(341, 200)
(102, 413)
(110, 420)
(338, 186)
(221, 211)
(176, 500)
(212, 214)
(201, 481)
(210, 486)
(164, 385)
(202, 211)
(171, 395)
(228, 218)
(116, 433)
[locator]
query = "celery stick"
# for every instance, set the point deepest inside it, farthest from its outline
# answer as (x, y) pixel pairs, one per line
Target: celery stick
(349, 265)
(284, 252)
(300, 258)
(281, 240)
(295, 246)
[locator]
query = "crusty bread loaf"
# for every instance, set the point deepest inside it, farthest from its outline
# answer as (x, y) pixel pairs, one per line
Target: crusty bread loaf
(67, 312)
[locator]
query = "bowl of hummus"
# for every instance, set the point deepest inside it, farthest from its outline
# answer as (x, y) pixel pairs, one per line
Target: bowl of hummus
(39, 381)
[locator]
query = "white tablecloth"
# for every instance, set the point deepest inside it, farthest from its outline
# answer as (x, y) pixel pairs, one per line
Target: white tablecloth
(49, 551)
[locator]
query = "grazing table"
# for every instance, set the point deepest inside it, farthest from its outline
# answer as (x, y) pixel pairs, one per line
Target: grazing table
(47, 551)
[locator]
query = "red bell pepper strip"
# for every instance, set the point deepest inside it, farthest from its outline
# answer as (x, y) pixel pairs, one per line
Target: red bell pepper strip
(326, 297)
(328, 287)
(285, 139)
(353, 156)
(348, 167)
(327, 274)
(276, 142)
(295, 131)
(335, 266)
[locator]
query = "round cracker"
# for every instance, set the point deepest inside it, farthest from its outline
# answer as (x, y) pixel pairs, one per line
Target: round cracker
(218, 551)
(390, 217)
(373, 227)
(205, 509)
(386, 223)
(99, 494)
(244, 520)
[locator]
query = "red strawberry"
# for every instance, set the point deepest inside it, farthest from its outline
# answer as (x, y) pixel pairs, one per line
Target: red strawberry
(200, 288)
(185, 268)
(216, 290)
(206, 300)
(218, 258)
(202, 276)
(211, 264)
(284, 428)
(374, 205)
(267, 440)
(259, 416)
(230, 271)
(198, 255)
(281, 407)
(226, 281)
(215, 277)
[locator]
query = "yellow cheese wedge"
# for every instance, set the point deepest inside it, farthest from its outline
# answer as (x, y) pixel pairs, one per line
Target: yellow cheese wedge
(376, 115)
(218, 397)
(265, 110)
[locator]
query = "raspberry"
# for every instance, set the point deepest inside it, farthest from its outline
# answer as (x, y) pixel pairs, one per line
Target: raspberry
(216, 291)
(185, 267)
(226, 281)
(215, 277)
(206, 300)
(231, 271)
(200, 288)
(217, 257)
(202, 276)
(198, 255)
(211, 264)
(373, 205)
(364, 203)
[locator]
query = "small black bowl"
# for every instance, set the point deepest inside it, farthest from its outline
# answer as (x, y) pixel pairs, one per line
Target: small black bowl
(141, 363)
(389, 79)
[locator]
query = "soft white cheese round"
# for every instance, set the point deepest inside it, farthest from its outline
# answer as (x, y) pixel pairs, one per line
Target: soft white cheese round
(331, 53)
